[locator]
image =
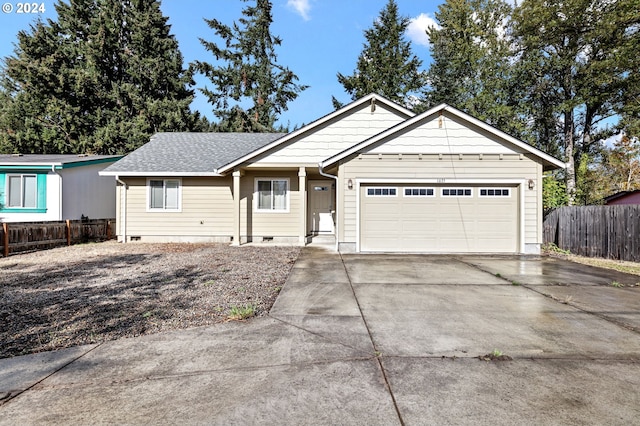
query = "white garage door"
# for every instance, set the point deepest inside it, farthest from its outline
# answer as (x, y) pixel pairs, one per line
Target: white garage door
(439, 219)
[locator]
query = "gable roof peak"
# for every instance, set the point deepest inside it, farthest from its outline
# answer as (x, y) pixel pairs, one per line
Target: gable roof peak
(547, 159)
(376, 98)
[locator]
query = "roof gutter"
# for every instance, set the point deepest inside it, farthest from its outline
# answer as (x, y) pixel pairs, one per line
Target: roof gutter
(323, 173)
(160, 174)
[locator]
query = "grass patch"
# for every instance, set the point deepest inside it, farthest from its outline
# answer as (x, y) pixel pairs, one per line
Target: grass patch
(496, 355)
(616, 265)
(239, 313)
(552, 248)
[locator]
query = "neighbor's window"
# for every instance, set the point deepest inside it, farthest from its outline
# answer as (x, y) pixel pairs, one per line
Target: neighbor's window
(164, 194)
(22, 191)
(273, 195)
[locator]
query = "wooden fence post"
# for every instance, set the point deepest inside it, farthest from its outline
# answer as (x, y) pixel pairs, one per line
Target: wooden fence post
(68, 232)
(108, 230)
(5, 228)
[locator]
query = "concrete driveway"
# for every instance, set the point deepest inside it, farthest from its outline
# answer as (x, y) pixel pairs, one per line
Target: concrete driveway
(368, 339)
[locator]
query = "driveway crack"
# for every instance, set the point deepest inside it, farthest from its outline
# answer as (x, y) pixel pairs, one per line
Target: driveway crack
(373, 343)
(555, 299)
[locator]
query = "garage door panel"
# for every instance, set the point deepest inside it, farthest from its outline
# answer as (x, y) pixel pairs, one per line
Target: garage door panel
(446, 224)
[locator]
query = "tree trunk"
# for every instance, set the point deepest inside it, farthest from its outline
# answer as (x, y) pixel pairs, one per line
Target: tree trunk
(569, 144)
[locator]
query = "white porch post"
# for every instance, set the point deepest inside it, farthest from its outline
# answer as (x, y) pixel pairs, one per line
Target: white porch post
(236, 208)
(302, 190)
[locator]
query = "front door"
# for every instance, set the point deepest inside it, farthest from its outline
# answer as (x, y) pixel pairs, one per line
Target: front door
(321, 206)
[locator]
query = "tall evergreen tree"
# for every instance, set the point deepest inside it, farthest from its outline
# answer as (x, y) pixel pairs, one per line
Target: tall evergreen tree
(472, 62)
(102, 78)
(386, 65)
(249, 73)
(581, 54)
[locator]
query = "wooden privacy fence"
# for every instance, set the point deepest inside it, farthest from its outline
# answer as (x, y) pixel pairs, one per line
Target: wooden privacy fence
(27, 236)
(596, 231)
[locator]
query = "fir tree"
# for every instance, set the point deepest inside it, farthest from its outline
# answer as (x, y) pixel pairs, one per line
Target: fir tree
(471, 68)
(248, 73)
(101, 78)
(386, 65)
(581, 54)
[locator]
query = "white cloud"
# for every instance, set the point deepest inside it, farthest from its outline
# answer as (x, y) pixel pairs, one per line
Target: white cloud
(302, 7)
(418, 26)
(611, 140)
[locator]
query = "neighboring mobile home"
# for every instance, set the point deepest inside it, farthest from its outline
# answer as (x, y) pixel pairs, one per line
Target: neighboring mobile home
(373, 174)
(37, 188)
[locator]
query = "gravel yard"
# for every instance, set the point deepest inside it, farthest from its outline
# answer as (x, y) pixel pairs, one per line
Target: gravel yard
(91, 293)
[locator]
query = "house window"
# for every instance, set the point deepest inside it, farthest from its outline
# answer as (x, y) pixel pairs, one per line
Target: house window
(164, 194)
(22, 191)
(419, 192)
(495, 192)
(272, 195)
(456, 192)
(381, 192)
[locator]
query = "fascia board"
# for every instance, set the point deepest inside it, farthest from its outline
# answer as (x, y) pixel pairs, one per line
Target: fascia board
(158, 174)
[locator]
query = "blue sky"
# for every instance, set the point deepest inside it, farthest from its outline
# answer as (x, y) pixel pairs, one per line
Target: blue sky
(319, 39)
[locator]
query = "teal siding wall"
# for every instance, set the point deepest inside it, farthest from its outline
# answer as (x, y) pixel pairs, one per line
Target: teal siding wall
(3, 190)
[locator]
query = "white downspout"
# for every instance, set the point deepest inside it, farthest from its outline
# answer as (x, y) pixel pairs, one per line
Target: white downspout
(123, 207)
(53, 170)
(337, 200)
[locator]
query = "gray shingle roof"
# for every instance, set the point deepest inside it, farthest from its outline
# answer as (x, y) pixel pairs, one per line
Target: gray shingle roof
(190, 153)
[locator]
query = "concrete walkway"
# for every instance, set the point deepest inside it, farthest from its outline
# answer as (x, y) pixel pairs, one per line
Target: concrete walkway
(368, 339)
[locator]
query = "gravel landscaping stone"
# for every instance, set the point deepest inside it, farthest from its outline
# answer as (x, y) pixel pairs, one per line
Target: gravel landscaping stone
(91, 293)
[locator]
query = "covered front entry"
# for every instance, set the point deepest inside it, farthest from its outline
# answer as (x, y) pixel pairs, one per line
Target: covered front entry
(321, 212)
(439, 218)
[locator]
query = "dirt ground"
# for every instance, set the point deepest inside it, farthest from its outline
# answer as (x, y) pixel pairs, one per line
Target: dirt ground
(91, 293)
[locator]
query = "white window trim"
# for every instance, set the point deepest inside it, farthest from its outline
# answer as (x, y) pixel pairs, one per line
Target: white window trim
(494, 196)
(380, 187)
(455, 196)
(287, 196)
(7, 190)
(404, 194)
(164, 210)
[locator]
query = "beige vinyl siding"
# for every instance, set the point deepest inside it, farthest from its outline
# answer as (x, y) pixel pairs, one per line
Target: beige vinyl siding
(207, 210)
(444, 135)
(442, 170)
(335, 136)
(268, 224)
